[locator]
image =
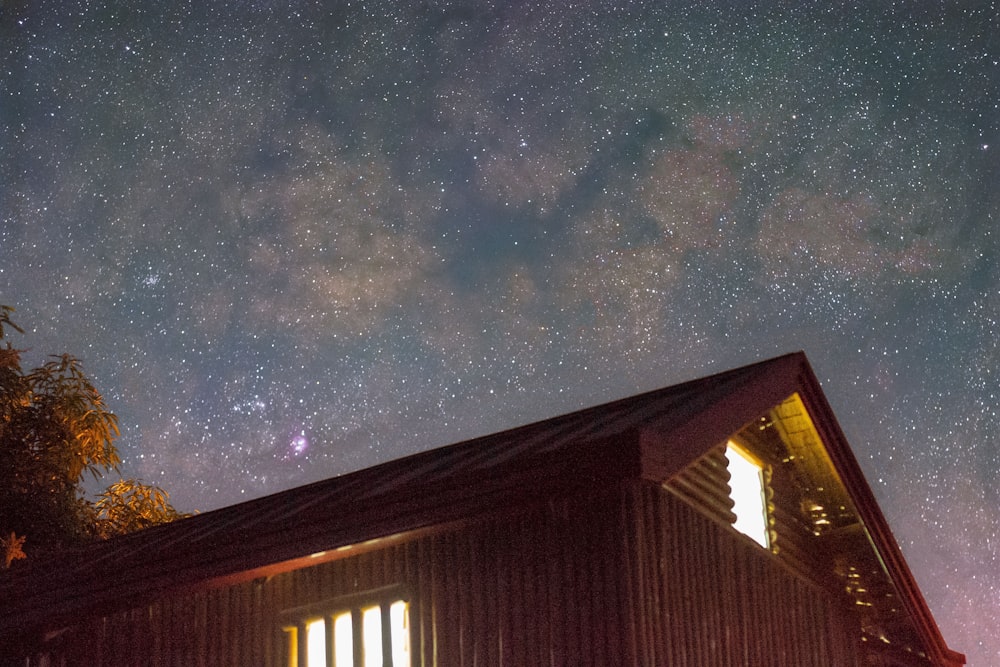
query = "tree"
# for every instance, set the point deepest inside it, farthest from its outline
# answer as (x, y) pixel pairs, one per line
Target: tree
(55, 429)
(11, 547)
(129, 505)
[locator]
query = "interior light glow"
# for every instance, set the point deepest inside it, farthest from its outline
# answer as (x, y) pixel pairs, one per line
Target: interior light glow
(343, 640)
(344, 647)
(316, 643)
(371, 632)
(292, 634)
(746, 481)
(399, 621)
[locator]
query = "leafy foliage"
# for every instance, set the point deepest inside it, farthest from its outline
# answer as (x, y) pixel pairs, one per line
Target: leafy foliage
(54, 429)
(129, 505)
(11, 548)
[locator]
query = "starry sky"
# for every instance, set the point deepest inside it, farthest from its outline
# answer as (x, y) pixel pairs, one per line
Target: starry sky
(294, 239)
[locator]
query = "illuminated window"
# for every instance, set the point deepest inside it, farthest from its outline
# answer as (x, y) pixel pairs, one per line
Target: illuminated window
(374, 632)
(746, 483)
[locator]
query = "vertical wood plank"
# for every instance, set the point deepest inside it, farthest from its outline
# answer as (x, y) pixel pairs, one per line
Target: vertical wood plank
(623, 576)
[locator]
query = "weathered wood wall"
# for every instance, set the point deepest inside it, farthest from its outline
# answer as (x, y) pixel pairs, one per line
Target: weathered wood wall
(541, 586)
(706, 596)
(621, 577)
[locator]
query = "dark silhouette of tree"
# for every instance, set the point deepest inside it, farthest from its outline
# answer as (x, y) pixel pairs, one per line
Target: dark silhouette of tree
(54, 430)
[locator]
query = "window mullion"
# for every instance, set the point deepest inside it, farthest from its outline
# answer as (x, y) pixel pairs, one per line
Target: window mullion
(358, 637)
(302, 638)
(372, 626)
(331, 654)
(386, 634)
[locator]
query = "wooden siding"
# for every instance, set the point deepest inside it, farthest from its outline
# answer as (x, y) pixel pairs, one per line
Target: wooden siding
(707, 596)
(412, 508)
(705, 485)
(541, 586)
(632, 576)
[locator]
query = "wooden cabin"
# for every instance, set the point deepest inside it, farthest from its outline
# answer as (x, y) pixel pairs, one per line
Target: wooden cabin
(723, 521)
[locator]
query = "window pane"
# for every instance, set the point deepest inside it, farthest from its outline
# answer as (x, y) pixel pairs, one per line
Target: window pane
(747, 491)
(374, 635)
(343, 640)
(399, 620)
(316, 643)
(292, 646)
(371, 635)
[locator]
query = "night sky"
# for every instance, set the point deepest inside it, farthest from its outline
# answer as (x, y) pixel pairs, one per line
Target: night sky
(294, 239)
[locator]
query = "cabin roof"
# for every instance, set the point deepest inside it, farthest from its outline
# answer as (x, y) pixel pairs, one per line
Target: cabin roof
(653, 435)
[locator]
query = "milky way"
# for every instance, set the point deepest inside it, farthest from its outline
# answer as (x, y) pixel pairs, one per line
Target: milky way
(290, 240)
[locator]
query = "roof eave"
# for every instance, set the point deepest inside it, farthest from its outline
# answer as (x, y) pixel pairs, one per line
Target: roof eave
(668, 446)
(872, 518)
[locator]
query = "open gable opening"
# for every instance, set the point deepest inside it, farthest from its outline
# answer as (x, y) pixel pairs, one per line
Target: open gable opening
(746, 490)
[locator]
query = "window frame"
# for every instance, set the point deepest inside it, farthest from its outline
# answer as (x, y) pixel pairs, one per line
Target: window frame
(295, 621)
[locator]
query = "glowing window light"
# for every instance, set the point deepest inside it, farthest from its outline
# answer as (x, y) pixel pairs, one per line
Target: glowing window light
(292, 633)
(344, 648)
(371, 636)
(399, 621)
(746, 481)
(316, 643)
(343, 640)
